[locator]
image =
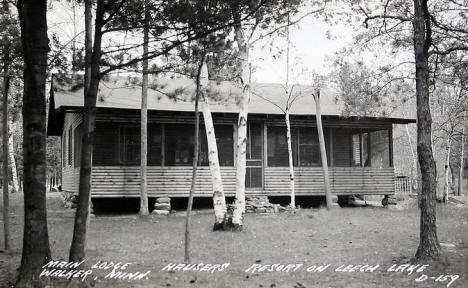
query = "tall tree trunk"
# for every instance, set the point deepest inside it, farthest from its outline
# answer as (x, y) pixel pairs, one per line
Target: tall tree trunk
(5, 138)
(462, 160)
(36, 250)
(11, 157)
(219, 199)
(454, 176)
(429, 244)
(77, 249)
(447, 171)
(12, 163)
(239, 204)
(323, 152)
(144, 123)
(288, 124)
(290, 158)
(188, 220)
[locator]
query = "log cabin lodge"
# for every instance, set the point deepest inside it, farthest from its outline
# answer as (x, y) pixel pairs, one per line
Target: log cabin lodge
(359, 149)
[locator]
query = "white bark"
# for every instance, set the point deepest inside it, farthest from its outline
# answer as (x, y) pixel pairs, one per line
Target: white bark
(239, 205)
(144, 125)
(12, 162)
(219, 200)
(291, 163)
(447, 169)
(462, 158)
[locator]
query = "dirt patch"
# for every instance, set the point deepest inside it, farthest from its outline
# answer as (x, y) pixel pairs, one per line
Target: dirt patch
(311, 237)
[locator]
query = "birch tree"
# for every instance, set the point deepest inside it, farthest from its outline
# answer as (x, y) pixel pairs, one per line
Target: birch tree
(170, 27)
(272, 18)
(219, 199)
(12, 160)
(291, 95)
(244, 83)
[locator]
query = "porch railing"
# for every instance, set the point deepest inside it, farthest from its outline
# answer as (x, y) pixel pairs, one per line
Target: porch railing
(402, 184)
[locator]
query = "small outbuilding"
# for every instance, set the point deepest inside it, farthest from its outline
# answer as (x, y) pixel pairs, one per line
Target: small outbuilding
(359, 149)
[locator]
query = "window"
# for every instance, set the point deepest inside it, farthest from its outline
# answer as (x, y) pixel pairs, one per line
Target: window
(370, 149)
(304, 142)
(180, 141)
(379, 149)
(224, 141)
(106, 144)
(64, 148)
(69, 146)
(365, 149)
(278, 146)
(117, 144)
(78, 134)
(130, 145)
(342, 156)
(309, 148)
(154, 144)
(356, 149)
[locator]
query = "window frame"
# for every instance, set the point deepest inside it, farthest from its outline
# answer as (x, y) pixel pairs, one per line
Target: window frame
(296, 145)
(122, 147)
(70, 146)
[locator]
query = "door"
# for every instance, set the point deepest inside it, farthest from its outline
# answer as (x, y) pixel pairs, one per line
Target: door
(254, 156)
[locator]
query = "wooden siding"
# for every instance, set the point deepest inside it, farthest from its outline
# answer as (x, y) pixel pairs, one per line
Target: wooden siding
(124, 181)
(363, 180)
(120, 181)
(174, 181)
(344, 180)
(70, 174)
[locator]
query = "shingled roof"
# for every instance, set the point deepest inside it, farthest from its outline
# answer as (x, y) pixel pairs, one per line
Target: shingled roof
(178, 95)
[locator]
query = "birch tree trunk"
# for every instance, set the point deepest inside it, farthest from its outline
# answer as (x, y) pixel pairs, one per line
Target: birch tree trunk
(36, 249)
(290, 158)
(12, 162)
(288, 125)
(323, 152)
(462, 160)
(219, 200)
(429, 243)
(5, 142)
(447, 171)
(144, 123)
(239, 204)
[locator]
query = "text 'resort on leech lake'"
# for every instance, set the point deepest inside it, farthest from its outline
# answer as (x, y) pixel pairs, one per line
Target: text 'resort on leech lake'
(121, 271)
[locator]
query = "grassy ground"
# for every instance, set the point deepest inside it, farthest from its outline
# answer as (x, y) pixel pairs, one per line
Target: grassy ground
(346, 236)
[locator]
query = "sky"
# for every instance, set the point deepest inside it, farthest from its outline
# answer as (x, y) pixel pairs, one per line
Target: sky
(309, 50)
